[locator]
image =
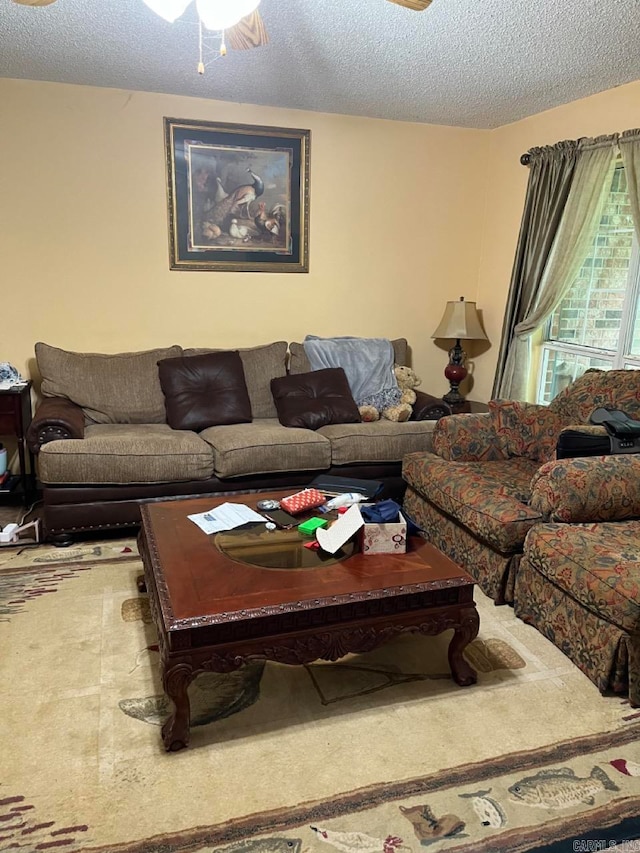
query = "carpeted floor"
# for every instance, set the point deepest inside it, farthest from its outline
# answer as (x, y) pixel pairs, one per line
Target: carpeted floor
(378, 752)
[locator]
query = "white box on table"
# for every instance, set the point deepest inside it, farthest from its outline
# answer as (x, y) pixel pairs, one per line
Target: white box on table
(389, 538)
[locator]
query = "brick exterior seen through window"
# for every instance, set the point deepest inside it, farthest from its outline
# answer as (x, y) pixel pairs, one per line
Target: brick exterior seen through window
(592, 313)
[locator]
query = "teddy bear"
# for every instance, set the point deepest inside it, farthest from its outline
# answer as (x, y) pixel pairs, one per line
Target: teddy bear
(407, 381)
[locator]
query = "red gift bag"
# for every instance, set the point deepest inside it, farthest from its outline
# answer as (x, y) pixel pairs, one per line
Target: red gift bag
(306, 499)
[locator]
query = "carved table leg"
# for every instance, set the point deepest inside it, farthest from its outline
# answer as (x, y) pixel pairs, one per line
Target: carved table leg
(462, 672)
(175, 732)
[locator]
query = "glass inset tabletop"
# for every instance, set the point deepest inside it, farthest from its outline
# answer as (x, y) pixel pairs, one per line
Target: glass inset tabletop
(277, 549)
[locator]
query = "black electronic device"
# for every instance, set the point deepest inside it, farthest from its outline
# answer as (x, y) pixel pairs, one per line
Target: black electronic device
(281, 518)
(331, 485)
(622, 436)
(573, 442)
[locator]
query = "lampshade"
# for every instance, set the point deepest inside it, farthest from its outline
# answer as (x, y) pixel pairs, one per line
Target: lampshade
(222, 14)
(460, 321)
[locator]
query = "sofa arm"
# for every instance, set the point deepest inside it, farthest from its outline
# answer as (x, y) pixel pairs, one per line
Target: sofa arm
(467, 438)
(429, 408)
(588, 489)
(55, 418)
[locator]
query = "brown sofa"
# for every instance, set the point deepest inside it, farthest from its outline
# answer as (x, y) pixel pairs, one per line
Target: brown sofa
(104, 446)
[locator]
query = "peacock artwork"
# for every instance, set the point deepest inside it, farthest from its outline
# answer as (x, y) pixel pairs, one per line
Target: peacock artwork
(238, 197)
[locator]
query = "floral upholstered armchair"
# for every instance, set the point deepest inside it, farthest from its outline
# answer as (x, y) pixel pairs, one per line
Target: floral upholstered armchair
(493, 477)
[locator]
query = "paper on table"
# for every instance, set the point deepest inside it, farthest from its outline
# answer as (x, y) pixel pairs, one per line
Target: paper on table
(225, 517)
(332, 538)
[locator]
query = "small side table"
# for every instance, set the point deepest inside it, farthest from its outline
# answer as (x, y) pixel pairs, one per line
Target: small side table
(15, 418)
(468, 406)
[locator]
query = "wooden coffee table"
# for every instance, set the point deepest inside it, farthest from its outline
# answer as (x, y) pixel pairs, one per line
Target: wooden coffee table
(215, 609)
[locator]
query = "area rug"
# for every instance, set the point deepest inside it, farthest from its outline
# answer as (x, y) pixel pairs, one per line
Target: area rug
(376, 752)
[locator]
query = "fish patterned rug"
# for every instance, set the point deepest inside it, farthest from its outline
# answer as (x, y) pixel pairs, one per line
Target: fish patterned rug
(14, 557)
(375, 753)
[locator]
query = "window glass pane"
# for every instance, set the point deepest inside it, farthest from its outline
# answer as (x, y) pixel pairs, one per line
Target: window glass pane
(635, 338)
(560, 368)
(591, 313)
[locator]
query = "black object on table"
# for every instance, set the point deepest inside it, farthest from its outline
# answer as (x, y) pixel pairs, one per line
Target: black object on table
(332, 485)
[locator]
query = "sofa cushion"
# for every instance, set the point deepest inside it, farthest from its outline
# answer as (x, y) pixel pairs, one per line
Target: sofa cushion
(203, 390)
(299, 363)
(265, 446)
(608, 389)
(126, 453)
(314, 399)
(261, 364)
(588, 489)
(595, 564)
(111, 389)
(468, 437)
(526, 429)
(488, 498)
(378, 441)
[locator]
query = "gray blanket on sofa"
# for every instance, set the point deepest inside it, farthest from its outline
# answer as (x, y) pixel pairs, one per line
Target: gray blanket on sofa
(367, 362)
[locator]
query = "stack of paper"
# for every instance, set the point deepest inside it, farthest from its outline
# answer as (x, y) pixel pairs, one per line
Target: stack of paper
(225, 517)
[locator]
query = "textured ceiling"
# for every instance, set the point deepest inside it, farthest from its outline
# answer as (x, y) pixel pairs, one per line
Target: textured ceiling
(473, 63)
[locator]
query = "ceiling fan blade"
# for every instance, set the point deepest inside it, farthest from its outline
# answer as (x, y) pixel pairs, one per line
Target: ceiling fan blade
(416, 5)
(34, 2)
(248, 32)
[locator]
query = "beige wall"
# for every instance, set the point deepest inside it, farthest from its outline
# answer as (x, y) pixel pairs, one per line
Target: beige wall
(608, 112)
(403, 217)
(396, 212)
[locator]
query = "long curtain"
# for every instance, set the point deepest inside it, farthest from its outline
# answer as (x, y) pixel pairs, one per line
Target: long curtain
(551, 172)
(629, 144)
(575, 231)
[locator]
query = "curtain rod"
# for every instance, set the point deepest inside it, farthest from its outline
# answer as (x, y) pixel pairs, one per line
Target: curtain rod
(525, 159)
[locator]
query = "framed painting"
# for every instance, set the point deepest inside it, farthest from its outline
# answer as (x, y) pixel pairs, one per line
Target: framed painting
(238, 197)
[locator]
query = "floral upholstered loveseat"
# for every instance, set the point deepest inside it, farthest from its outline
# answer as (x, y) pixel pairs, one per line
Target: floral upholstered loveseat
(559, 539)
(579, 585)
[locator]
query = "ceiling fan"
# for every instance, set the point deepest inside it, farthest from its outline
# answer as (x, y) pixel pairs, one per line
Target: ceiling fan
(238, 22)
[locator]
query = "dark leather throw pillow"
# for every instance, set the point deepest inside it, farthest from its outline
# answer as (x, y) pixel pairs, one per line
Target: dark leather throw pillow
(315, 399)
(204, 390)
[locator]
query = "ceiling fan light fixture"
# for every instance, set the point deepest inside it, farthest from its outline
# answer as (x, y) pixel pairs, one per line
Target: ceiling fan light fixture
(222, 14)
(170, 10)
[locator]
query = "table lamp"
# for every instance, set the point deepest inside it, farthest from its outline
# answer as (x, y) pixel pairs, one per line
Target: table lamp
(460, 321)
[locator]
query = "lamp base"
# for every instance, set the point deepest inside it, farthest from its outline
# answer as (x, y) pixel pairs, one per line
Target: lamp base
(456, 373)
(453, 396)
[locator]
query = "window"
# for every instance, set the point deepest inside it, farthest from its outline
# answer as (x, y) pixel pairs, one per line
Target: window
(597, 324)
